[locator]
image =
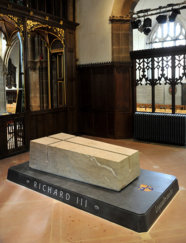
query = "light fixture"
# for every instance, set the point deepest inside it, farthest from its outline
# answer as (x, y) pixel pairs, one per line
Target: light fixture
(161, 19)
(143, 28)
(144, 13)
(146, 31)
(174, 14)
(135, 24)
(147, 22)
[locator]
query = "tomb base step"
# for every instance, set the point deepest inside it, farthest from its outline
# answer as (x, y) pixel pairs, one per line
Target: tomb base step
(136, 207)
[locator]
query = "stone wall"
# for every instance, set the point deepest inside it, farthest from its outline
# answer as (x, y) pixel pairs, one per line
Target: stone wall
(121, 42)
(162, 94)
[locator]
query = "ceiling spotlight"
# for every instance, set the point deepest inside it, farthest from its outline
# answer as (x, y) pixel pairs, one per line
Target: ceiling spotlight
(146, 31)
(135, 24)
(147, 22)
(141, 28)
(161, 19)
(174, 14)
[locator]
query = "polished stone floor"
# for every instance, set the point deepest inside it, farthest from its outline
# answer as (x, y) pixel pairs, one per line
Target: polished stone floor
(29, 217)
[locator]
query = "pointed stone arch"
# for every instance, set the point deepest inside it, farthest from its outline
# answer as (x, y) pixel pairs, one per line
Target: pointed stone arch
(123, 7)
(9, 49)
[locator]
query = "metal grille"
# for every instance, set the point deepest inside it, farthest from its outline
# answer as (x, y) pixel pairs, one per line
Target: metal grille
(12, 135)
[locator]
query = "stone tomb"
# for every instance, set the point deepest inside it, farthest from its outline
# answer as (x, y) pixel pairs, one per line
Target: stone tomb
(62, 136)
(85, 160)
(136, 206)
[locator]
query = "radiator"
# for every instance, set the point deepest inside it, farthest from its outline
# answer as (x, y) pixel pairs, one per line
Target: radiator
(160, 127)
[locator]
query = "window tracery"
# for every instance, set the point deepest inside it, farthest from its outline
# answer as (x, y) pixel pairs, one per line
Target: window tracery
(167, 35)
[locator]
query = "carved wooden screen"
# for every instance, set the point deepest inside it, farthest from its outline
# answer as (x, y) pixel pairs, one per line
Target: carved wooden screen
(58, 73)
(163, 67)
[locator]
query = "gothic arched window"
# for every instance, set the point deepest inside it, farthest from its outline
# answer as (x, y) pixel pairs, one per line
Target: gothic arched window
(168, 34)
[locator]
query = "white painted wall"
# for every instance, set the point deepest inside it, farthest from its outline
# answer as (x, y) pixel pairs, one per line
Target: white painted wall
(2, 46)
(162, 95)
(94, 32)
(14, 55)
(2, 78)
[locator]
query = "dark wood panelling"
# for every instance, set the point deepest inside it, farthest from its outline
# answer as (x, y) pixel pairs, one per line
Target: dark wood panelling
(44, 123)
(86, 123)
(71, 81)
(96, 123)
(123, 92)
(105, 106)
(96, 87)
(123, 125)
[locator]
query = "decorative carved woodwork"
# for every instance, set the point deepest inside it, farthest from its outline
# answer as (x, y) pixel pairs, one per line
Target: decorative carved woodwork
(12, 132)
(10, 25)
(157, 66)
(27, 19)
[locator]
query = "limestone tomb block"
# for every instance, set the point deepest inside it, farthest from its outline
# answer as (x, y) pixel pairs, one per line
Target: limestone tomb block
(39, 151)
(90, 165)
(87, 164)
(133, 155)
(62, 136)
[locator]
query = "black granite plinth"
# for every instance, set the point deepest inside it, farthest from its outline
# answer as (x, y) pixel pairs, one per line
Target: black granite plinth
(136, 207)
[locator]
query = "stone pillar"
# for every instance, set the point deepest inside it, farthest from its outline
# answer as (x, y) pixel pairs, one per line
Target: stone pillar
(2, 89)
(45, 76)
(121, 41)
(121, 46)
(33, 63)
